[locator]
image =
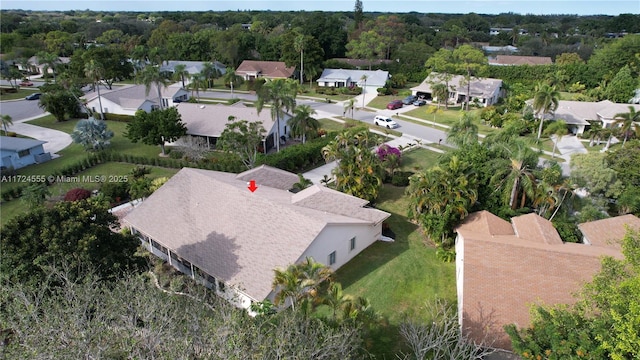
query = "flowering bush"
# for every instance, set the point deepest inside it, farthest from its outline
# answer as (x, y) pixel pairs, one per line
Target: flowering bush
(385, 150)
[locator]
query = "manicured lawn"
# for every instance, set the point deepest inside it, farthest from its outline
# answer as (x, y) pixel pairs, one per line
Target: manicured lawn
(380, 102)
(22, 92)
(419, 159)
(331, 125)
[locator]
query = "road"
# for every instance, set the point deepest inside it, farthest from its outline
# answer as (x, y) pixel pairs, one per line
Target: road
(21, 109)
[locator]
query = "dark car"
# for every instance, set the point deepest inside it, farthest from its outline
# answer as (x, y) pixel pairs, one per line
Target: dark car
(34, 96)
(420, 102)
(409, 100)
(395, 104)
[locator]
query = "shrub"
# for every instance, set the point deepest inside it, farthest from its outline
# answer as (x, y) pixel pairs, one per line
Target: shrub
(140, 171)
(115, 192)
(77, 194)
(401, 178)
(118, 117)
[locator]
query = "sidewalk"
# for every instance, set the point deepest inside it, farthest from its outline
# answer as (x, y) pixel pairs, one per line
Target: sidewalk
(55, 140)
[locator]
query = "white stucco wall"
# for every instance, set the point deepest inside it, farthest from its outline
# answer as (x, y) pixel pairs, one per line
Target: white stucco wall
(460, 274)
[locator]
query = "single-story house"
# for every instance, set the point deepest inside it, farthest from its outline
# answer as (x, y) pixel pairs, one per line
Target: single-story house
(348, 78)
(577, 114)
(253, 69)
(126, 100)
(209, 120)
(192, 67)
(515, 60)
(608, 232)
(486, 91)
(509, 49)
(210, 226)
(34, 65)
(17, 153)
(502, 268)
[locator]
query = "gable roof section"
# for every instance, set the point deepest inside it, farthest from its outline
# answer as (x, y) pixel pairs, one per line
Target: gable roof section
(269, 69)
(608, 232)
(10, 143)
(376, 78)
(211, 119)
(504, 274)
(483, 87)
(270, 176)
(134, 96)
(533, 227)
(211, 219)
(580, 112)
(520, 60)
(486, 223)
(192, 67)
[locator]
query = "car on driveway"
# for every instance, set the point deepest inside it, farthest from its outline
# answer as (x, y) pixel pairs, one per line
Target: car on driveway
(34, 96)
(395, 104)
(385, 121)
(420, 102)
(26, 83)
(409, 100)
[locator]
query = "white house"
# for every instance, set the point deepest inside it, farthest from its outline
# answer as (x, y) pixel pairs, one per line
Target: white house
(210, 226)
(192, 67)
(33, 65)
(127, 100)
(486, 91)
(348, 78)
(16, 152)
(209, 120)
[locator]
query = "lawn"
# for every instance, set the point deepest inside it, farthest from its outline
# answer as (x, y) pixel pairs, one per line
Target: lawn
(331, 125)
(22, 92)
(419, 159)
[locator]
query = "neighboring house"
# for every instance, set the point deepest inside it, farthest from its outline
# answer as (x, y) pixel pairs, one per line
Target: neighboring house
(192, 67)
(502, 268)
(497, 30)
(636, 98)
(209, 120)
(608, 232)
(127, 100)
(211, 227)
(34, 65)
(509, 49)
(349, 78)
(17, 153)
(253, 69)
(486, 91)
(511, 60)
(361, 63)
(578, 114)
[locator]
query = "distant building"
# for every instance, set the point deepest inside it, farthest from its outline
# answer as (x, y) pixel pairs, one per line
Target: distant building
(127, 100)
(486, 91)
(511, 60)
(499, 49)
(254, 69)
(347, 78)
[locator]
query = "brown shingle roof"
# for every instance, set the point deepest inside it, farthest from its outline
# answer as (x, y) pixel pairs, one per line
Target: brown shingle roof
(211, 219)
(520, 60)
(503, 275)
(608, 232)
(534, 227)
(269, 69)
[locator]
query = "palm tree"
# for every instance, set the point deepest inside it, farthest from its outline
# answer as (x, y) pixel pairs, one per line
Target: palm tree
(302, 123)
(310, 71)
(299, 281)
(286, 283)
(434, 110)
(559, 129)
(50, 61)
(302, 183)
(516, 177)
(594, 132)
(197, 82)
(336, 299)
(92, 134)
(545, 101)
(149, 76)
(364, 78)
(350, 105)
(441, 92)
(179, 73)
(628, 122)
(210, 72)
(464, 132)
(94, 71)
(231, 77)
(281, 93)
(298, 44)
(6, 121)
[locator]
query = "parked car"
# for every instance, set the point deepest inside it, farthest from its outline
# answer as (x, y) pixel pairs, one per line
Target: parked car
(395, 104)
(26, 83)
(420, 102)
(34, 96)
(409, 100)
(385, 121)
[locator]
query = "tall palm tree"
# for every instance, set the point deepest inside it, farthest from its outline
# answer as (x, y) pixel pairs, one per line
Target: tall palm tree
(95, 72)
(180, 72)
(559, 129)
(364, 78)
(50, 61)
(151, 76)
(441, 92)
(311, 71)
(230, 77)
(350, 105)
(464, 132)
(302, 123)
(629, 121)
(298, 44)
(281, 93)
(210, 73)
(594, 132)
(198, 82)
(516, 178)
(545, 100)
(6, 121)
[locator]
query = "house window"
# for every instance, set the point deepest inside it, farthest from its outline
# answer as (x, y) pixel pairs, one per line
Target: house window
(23, 153)
(352, 243)
(332, 258)
(221, 286)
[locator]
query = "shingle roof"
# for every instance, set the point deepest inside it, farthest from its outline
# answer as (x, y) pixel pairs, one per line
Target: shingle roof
(376, 78)
(211, 119)
(270, 69)
(10, 143)
(504, 274)
(533, 227)
(520, 60)
(211, 219)
(608, 232)
(270, 176)
(132, 97)
(192, 67)
(579, 112)
(479, 87)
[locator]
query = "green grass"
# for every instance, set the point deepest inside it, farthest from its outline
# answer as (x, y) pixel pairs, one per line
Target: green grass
(22, 92)
(331, 125)
(419, 159)
(380, 102)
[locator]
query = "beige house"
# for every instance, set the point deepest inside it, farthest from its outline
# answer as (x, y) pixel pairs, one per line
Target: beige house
(211, 227)
(502, 268)
(485, 91)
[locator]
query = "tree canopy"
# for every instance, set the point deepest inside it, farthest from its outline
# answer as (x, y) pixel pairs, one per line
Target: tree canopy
(156, 127)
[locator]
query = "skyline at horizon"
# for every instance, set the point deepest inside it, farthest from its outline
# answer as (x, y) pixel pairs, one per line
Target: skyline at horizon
(488, 7)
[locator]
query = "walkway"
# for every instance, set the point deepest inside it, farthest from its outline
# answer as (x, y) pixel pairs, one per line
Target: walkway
(56, 140)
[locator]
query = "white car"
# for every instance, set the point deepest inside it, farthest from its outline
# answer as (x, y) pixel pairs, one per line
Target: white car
(385, 121)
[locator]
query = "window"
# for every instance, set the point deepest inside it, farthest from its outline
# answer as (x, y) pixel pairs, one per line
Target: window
(23, 153)
(332, 258)
(352, 243)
